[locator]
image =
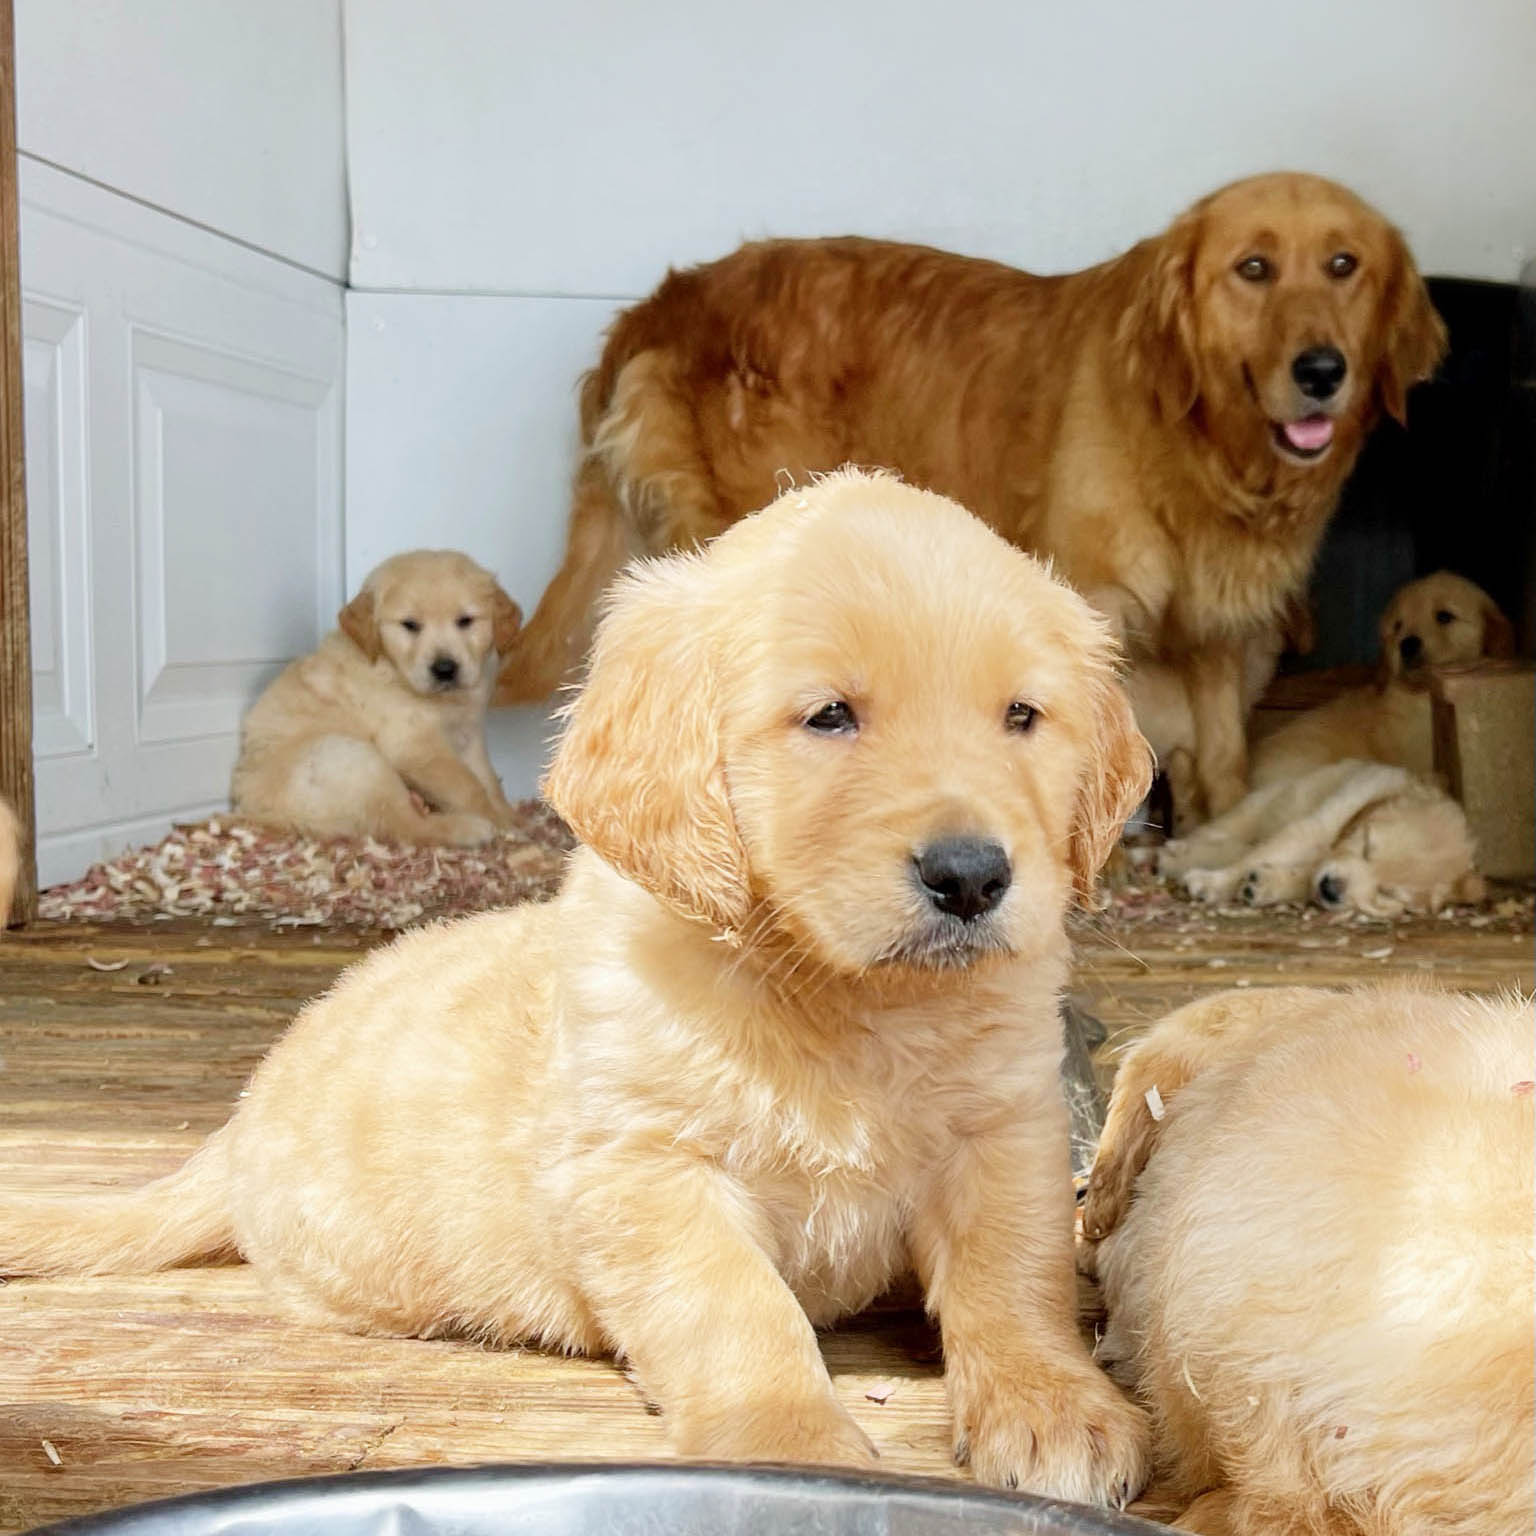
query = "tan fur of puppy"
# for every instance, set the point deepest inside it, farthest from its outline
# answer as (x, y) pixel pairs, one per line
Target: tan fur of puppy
(363, 738)
(1351, 835)
(742, 1072)
(1142, 423)
(1438, 620)
(1318, 1263)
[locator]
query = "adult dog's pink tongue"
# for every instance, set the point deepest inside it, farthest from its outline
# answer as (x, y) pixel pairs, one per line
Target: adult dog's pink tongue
(1309, 434)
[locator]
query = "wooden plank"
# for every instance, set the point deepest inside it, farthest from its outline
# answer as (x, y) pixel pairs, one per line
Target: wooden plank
(15, 622)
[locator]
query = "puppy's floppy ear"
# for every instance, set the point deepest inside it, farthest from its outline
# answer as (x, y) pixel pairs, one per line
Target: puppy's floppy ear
(639, 774)
(506, 621)
(1157, 332)
(360, 625)
(1115, 781)
(1413, 338)
(1498, 632)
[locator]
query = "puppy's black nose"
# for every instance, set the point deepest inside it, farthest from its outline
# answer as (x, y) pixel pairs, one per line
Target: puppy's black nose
(1330, 890)
(444, 669)
(1410, 648)
(964, 876)
(1319, 371)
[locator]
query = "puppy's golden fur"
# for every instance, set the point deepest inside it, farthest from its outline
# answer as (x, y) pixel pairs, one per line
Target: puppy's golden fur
(364, 737)
(1349, 835)
(1438, 620)
(742, 1070)
(1139, 422)
(1317, 1264)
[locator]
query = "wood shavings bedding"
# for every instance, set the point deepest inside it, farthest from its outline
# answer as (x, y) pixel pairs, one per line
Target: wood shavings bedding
(226, 869)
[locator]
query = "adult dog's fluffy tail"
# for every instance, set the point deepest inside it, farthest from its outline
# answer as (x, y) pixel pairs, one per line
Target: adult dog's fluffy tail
(175, 1220)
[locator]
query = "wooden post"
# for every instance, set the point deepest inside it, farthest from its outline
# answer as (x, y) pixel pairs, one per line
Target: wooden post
(15, 620)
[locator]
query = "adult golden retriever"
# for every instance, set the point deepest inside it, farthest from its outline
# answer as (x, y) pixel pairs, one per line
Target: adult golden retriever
(381, 731)
(1171, 428)
(1317, 1262)
(790, 1025)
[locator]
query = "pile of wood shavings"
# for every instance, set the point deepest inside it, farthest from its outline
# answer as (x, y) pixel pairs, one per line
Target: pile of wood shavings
(230, 870)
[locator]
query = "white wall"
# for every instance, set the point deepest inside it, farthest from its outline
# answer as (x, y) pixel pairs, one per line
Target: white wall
(226, 113)
(183, 231)
(554, 161)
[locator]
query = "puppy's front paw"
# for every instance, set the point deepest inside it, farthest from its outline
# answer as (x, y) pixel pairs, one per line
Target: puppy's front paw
(1062, 1433)
(801, 1433)
(465, 830)
(1268, 885)
(1217, 886)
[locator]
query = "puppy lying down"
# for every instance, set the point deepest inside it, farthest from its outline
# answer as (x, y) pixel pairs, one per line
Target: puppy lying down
(790, 1027)
(1317, 1263)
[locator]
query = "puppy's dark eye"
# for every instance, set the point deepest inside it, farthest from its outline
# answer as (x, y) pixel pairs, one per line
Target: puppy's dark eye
(1254, 269)
(1021, 717)
(1342, 263)
(410, 626)
(833, 719)
(465, 620)
(1445, 616)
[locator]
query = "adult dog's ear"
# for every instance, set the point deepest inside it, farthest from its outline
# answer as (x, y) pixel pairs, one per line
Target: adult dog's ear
(1413, 336)
(639, 775)
(506, 621)
(360, 625)
(1116, 779)
(1498, 632)
(1156, 334)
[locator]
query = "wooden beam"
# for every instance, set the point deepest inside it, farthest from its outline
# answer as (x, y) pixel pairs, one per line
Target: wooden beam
(15, 619)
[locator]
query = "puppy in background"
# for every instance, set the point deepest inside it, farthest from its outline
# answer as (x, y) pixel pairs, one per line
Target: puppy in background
(381, 731)
(1439, 620)
(1314, 1245)
(789, 1029)
(1350, 835)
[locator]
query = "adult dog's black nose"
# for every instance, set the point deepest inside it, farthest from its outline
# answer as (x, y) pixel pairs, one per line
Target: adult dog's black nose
(964, 876)
(444, 668)
(1410, 648)
(1319, 371)
(1330, 890)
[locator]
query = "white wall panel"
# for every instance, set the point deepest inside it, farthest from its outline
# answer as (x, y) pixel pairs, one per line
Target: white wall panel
(581, 148)
(225, 112)
(185, 412)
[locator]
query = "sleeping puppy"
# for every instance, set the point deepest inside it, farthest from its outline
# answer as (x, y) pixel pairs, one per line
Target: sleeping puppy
(1317, 1261)
(790, 1026)
(1438, 620)
(1171, 428)
(381, 731)
(1350, 835)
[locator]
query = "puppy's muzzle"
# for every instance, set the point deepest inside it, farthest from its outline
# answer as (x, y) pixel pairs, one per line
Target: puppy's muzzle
(964, 877)
(1330, 890)
(444, 670)
(1411, 649)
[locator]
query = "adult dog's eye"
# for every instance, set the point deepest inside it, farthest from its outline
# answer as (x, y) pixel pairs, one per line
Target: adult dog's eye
(1445, 616)
(465, 620)
(1021, 717)
(410, 626)
(1255, 269)
(833, 719)
(1342, 263)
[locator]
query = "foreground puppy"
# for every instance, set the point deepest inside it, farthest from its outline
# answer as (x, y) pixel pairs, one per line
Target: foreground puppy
(790, 1026)
(1317, 1263)
(1172, 428)
(1350, 835)
(381, 732)
(1438, 620)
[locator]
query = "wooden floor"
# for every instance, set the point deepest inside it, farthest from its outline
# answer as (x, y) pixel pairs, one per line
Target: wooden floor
(123, 1047)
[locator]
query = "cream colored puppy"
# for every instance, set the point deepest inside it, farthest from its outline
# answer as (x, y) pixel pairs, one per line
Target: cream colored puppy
(381, 731)
(790, 1027)
(1317, 1263)
(1348, 835)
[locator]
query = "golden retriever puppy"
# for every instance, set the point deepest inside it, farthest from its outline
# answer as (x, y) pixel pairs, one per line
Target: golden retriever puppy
(1317, 1261)
(1439, 620)
(1171, 428)
(790, 1025)
(1350, 835)
(381, 731)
